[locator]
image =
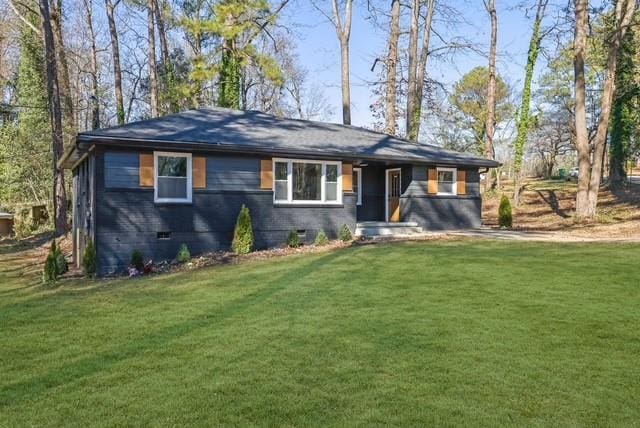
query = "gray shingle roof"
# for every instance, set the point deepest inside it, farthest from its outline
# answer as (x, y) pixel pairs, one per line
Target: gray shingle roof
(260, 132)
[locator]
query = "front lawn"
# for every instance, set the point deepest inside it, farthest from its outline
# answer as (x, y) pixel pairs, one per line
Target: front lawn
(435, 333)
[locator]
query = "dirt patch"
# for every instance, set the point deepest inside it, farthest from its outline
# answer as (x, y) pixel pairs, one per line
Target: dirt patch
(549, 206)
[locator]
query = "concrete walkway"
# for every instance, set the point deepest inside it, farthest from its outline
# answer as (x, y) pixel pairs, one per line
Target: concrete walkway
(504, 235)
(544, 236)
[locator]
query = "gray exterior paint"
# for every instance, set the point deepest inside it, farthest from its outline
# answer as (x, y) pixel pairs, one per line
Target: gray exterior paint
(233, 173)
(110, 207)
(129, 219)
(83, 220)
(121, 170)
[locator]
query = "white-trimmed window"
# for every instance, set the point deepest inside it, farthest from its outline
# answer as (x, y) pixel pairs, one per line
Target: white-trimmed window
(298, 181)
(357, 184)
(172, 177)
(447, 181)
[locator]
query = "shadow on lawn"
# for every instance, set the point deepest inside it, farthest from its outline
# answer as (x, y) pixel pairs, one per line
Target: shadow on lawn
(35, 387)
(10, 246)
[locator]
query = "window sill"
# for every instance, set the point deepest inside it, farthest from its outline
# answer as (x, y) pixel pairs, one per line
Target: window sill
(178, 202)
(308, 204)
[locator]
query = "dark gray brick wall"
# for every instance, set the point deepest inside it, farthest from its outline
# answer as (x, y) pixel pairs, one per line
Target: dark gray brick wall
(128, 219)
(441, 212)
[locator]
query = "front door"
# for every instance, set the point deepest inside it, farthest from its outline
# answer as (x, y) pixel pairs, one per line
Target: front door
(393, 195)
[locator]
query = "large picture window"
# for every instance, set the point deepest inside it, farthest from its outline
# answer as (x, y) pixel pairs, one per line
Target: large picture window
(446, 181)
(305, 181)
(172, 177)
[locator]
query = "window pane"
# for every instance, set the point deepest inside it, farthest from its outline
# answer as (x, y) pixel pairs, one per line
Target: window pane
(281, 190)
(332, 173)
(172, 166)
(332, 192)
(445, 176)
(172, 188)
(281, 171)
(445, 187)
(446, 182)
(307, 181)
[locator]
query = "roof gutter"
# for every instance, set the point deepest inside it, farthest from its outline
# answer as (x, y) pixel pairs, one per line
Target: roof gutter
(225, 148)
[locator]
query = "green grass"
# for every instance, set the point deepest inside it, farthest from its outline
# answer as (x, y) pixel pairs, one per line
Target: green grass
(444, 333)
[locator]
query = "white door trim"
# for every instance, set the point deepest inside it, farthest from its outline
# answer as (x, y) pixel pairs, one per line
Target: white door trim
(386, 190)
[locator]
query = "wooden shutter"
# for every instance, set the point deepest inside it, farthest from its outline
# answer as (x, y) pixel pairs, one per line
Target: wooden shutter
(347, 177)
(432, 184)
(266, 174)
(199, 172)
(146, 170)
(462, 182)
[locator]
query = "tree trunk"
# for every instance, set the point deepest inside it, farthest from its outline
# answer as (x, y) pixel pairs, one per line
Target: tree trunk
(590, 167)
(53, 92)
(491, 91)
(411, 82)
(524, 118)
(63, 70)
(391, 97)
(164, 45)
(417, 67)
(95, 102)
(343, 30)
(153, 68)
(115, 52)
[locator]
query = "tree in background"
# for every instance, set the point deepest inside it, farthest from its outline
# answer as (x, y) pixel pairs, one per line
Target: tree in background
(624, 133)
(55, 113)
(469, 101)
(115, 57)
(524, 117)
(591, 156)
(25, 149)
(489, 151)
(417, 66)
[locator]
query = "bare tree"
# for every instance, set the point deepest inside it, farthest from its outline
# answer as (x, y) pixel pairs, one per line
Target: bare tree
(153, 68)
(63, 69)
(93, 64)
(53, 92)
(591, 157)
(343, 30)
(491, 89)
(115, 52)
(391, 97)
(417, 65)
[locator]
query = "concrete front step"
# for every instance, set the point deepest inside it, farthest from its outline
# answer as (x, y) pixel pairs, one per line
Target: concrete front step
(369, 229)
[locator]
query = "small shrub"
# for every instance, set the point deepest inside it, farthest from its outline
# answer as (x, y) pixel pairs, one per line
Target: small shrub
(50, 273)
(505, 216)
(137, 260)
(321, 238)
(89, 259)
(293, 240)
(183, 254)
(61, 262)
(243, 233)
(345, 233)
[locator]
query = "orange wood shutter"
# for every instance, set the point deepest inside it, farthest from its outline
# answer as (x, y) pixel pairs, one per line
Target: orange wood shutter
(146, 170)
(432, 184)
(347, 177)
(266, 174)
(462, 182)
(199, 172)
